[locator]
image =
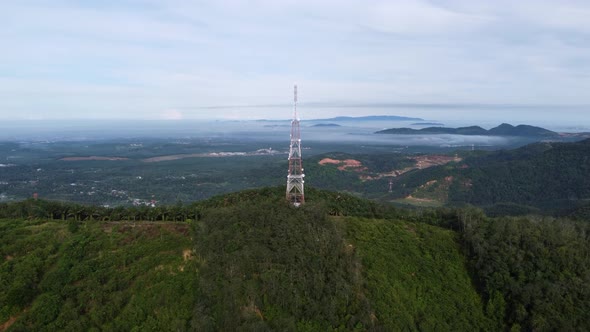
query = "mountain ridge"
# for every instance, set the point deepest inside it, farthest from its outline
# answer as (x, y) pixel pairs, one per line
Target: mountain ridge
(504, 129)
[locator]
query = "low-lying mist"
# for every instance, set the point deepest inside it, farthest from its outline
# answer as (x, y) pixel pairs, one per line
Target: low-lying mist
(246, 131)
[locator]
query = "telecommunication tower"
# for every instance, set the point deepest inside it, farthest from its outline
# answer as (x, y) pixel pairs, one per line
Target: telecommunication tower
(295, 178)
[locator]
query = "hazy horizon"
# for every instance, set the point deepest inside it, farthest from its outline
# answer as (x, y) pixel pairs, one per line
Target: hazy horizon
(275, 130)
(557, 118)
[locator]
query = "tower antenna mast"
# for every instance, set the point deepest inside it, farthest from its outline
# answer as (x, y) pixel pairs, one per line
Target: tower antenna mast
(295, 176)
(295, 102)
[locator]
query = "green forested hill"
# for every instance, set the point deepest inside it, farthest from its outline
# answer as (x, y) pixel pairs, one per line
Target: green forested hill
(248, 261)
(551, 177)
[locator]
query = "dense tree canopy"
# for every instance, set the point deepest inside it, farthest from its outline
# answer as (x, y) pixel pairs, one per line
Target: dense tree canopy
(249, 261)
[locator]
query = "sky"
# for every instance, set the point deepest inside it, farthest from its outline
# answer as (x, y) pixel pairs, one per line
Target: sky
(190, 59)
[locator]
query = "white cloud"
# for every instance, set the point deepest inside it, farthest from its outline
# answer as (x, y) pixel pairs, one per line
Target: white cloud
(568, 15)
(136, 59)
(418, 18)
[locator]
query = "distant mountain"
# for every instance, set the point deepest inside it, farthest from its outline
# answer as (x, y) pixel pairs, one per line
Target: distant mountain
(473, 130)
(326, 125)
(427, 124)
(370, 118)
(502, 130)
(520, 130)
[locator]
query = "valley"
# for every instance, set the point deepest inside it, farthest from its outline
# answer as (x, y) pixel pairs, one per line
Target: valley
(127, 172)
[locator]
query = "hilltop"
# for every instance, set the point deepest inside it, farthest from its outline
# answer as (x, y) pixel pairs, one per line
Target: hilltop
(233, 267)
(501, 130)
(249, 261)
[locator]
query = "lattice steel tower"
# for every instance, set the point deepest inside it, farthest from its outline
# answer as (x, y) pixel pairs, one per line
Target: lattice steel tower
(295, 178)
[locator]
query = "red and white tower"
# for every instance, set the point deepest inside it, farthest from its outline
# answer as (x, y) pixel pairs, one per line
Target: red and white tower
(295, 178)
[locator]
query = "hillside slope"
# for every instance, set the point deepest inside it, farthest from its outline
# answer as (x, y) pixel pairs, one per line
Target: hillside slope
(416, 276)
(114, 276)
(550, 177)
(250, 262)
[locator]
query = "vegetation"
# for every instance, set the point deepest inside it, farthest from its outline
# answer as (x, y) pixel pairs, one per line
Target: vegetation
(38, 167)
(81, 277)
(249, 261)
(336, 204)
(416, 276)
(534, 273)
(270, 266)
(548, 178)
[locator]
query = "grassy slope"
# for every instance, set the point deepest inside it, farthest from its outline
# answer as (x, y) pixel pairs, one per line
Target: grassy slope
(416, 276)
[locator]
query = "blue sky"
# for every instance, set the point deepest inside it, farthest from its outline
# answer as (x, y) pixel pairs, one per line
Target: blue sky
(173, 59)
